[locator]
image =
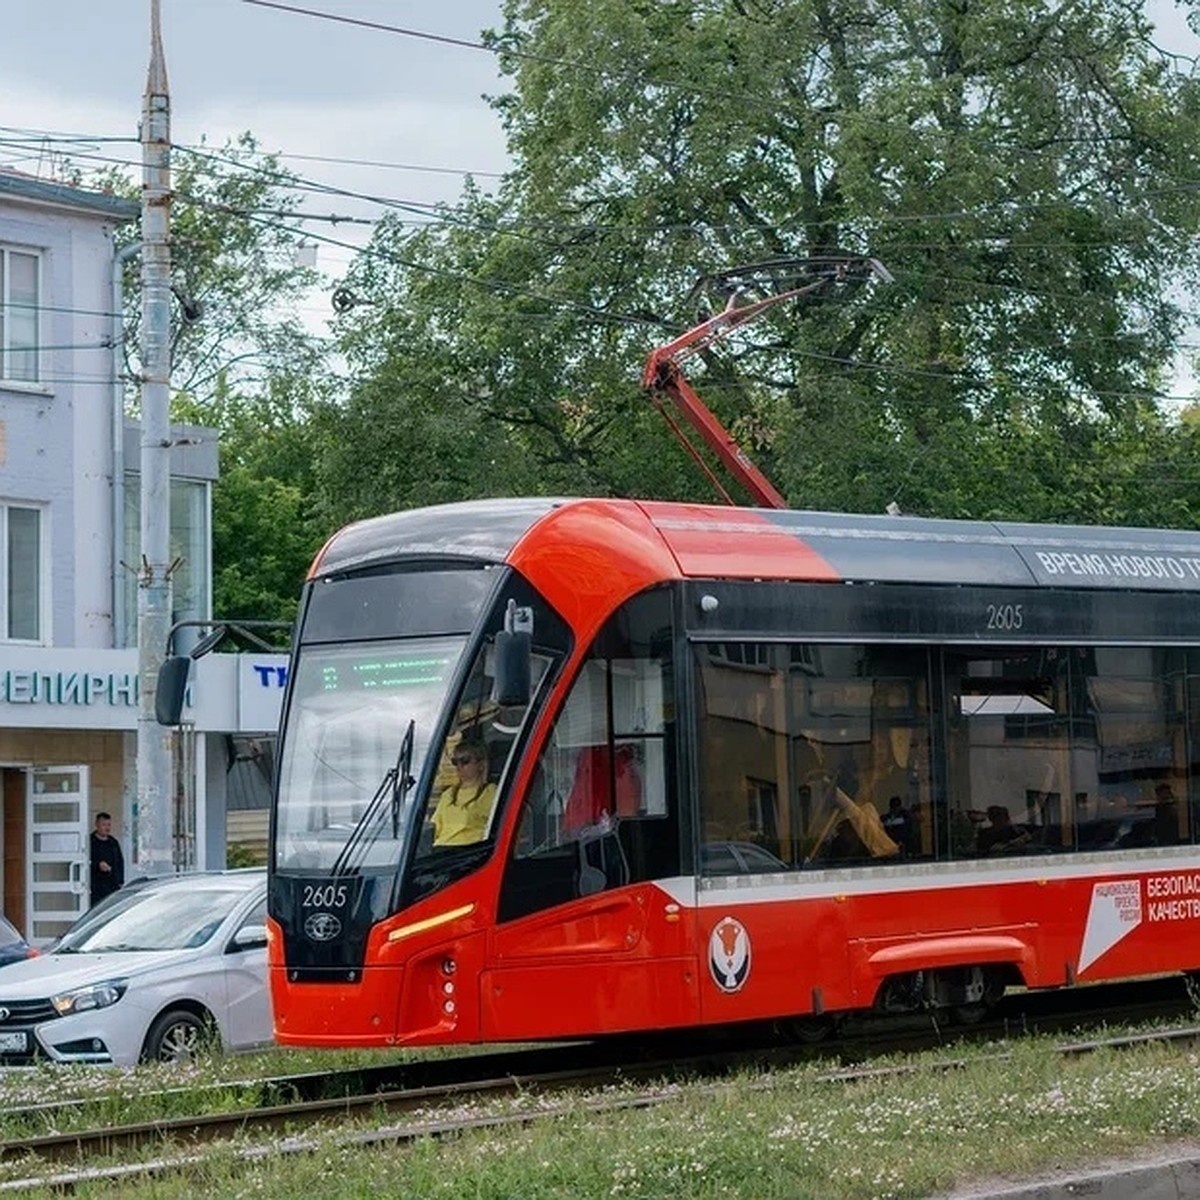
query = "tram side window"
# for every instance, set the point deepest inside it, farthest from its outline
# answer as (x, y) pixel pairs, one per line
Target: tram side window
(1189, 784)
(1133, 788)
(1008, 750)
(601, 809)
(1051, 750)
(812, 755)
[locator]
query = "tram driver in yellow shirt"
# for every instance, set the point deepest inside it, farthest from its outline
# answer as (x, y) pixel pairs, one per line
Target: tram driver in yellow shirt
(463, 809)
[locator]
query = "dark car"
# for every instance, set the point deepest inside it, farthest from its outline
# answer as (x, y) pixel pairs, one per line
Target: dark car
(738, 858)
(13, 947)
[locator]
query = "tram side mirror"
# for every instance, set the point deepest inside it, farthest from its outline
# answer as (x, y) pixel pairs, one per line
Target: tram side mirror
(513, 670)
(514, 658)
(172, 686)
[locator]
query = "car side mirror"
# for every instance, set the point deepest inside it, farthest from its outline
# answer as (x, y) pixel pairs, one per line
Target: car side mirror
(171, 689)
(249, 937)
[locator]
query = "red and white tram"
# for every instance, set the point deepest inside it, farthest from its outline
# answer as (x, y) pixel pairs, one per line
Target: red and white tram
(557, 768)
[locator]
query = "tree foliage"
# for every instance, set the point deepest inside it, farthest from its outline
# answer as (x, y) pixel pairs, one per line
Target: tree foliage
(1022, 170)
(234, 271)
(243, 363)
(266, 522)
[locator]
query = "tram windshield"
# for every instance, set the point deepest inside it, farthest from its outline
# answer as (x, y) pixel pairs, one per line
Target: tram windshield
(359, 728)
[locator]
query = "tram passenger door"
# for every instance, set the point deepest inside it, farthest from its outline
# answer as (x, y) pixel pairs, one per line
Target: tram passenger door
(599, 953)
(589, 937)
(57, 850)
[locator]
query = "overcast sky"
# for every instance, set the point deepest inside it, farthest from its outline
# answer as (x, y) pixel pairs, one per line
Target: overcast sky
(302, 85)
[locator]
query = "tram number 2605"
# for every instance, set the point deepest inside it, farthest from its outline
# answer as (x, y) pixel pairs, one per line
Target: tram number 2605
(1005, 617)
(327, 895)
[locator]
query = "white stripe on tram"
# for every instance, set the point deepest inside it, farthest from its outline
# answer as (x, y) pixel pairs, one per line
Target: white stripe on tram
(823, 883)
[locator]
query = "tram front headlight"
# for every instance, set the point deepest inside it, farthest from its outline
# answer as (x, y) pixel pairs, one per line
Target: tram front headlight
(84, 999)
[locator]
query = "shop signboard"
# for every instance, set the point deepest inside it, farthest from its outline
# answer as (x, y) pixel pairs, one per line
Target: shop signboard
(49, 688)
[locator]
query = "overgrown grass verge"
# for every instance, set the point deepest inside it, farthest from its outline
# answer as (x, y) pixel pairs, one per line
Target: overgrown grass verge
(211, 1084)
(786, 1136)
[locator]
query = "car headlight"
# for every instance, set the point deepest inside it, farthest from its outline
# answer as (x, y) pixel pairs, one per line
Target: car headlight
(84, 999)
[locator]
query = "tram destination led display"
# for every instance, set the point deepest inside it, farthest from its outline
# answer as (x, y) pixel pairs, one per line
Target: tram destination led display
(385, 673)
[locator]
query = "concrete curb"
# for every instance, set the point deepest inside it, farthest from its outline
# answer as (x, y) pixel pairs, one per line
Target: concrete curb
(1173, 1175)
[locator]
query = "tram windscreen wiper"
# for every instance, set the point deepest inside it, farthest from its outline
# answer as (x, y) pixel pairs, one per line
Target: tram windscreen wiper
(402, 779)
(394, 785)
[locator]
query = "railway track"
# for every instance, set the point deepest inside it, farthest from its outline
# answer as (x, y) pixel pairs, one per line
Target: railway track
(425, 1090)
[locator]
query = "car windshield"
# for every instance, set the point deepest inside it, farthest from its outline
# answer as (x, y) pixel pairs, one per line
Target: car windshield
(172, 918)
(9, 935)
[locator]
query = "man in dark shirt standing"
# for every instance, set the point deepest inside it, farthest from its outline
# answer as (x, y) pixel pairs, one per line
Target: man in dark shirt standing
(108, 866)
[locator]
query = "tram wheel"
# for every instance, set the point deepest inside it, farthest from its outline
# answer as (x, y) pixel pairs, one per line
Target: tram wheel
(970, 1014)
(990, 983)
(809, 1030)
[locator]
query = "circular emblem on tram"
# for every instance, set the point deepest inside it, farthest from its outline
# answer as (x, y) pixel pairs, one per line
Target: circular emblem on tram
(322, 927)
(729, 954)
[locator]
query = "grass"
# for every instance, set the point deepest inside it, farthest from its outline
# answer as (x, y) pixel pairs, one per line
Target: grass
(785, 1136)
(121, 1096)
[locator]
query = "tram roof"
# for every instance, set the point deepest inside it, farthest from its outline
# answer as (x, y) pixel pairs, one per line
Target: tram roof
(704, 541)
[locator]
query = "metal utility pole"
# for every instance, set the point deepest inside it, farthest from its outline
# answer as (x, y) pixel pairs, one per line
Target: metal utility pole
(154, 824)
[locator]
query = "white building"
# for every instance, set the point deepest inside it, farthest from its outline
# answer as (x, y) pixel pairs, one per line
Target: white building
(69, 531)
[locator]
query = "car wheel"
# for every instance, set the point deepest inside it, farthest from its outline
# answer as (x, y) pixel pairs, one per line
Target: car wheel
(180, 1036)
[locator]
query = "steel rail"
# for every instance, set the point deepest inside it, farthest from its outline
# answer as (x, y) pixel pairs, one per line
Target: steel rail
(195, 1129)
(439, 1127)
(315, 1085)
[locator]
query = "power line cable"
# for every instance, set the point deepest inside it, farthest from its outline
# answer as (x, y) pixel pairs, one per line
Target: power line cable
(723, 95)
(390, 166)
(435, 212)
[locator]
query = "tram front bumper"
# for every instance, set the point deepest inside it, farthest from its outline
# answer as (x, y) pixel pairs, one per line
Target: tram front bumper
(311, 1012)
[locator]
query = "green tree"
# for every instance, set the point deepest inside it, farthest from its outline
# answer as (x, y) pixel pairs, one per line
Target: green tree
(1022, 171)
(242, 362)
(266, 523)
(235, 270)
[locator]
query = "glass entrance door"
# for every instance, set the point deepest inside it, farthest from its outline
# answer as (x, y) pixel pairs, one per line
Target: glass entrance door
(57, 850)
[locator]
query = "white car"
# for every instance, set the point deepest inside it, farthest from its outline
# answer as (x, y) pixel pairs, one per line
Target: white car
(154, 972)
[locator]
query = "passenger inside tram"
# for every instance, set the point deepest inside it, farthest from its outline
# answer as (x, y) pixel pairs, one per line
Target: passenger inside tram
(868, 779)
(853, 830)
(607, 783)
(898, 823)
(1166, 815)
(1001, 835)
(851, 827)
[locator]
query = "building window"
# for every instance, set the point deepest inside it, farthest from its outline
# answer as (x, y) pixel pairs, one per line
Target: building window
(20, 285)
(21, 543)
